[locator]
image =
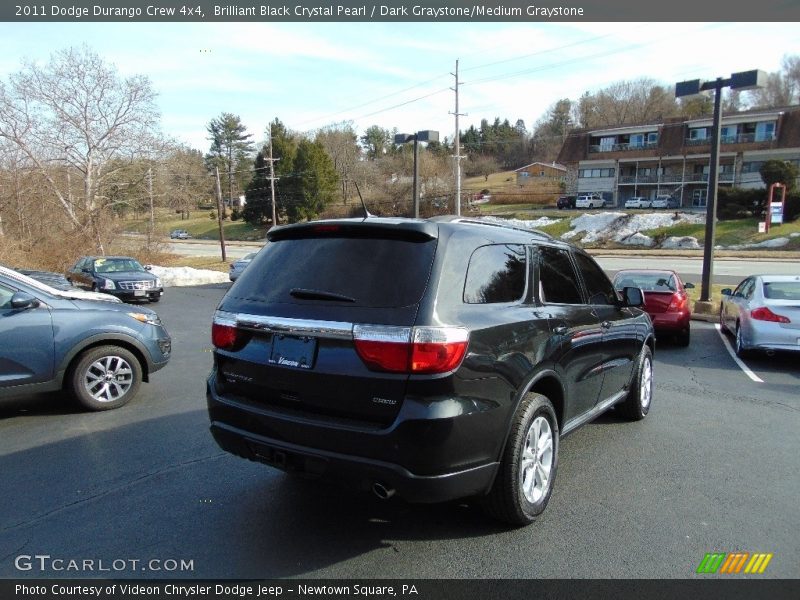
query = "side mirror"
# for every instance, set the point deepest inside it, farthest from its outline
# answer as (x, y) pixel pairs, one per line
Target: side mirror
(632, 296)
(23, 300)
(726, 291)
(688, 286)
(85, 270)
(148, 267)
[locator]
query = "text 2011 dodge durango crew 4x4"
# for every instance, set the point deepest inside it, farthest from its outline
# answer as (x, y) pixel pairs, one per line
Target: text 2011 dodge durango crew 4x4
(435, 359)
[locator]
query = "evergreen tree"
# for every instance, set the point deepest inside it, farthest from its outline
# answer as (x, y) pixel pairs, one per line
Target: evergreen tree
(230, 146)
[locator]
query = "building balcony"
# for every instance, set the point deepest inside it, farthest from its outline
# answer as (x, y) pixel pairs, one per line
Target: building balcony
(742, 138)
(622, 147)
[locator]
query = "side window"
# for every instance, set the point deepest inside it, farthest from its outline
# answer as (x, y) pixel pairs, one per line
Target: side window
(558, 282)
(744, 289)
(597, 284)
(5, 297)
(496, 274)
(749, 288)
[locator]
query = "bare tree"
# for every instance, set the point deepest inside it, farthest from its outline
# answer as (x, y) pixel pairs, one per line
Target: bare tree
(782, 88)
(77, 115)
(624, 102)
(341, 144)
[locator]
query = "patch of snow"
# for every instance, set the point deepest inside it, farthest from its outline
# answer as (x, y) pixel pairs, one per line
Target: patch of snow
(619, 226)
(638, 239)
(795, 234)
(681, 242)
(773, 243)
(521, 223)
(180, 276)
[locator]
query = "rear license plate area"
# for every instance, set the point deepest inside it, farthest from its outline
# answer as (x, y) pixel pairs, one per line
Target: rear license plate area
(295, 352)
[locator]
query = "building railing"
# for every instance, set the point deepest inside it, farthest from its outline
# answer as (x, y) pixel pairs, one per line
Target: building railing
(742, 138)
(673, 178)
(622, 147)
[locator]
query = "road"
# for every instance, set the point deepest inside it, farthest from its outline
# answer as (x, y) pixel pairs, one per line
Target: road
(725, 270)
(712, 468)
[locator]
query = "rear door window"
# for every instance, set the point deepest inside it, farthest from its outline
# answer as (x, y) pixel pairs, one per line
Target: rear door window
(558, 282)
(598, 286)
(349, 271)
(496, 274)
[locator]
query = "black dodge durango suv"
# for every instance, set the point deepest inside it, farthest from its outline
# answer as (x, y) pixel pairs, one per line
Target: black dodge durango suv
(435, 359)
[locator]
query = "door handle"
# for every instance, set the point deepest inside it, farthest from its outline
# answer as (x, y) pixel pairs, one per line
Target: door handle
(606, 324)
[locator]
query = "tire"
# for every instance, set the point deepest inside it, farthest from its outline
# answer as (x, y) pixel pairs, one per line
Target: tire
(155, 298)
(684, 337)
(637, 404)
(105, 377)
(525, 479)
(738, 343)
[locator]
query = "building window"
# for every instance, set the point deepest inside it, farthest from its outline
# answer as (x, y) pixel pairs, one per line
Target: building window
(584, 173)
(652, 138)
(607, 143)
(697, 133)
(765, 131)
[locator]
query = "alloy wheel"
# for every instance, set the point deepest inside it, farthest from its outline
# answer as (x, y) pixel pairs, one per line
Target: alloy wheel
(537, 460)
(108, 378)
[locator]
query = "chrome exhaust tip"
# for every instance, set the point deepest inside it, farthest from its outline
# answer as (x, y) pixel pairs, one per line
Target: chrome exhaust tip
(381, 491)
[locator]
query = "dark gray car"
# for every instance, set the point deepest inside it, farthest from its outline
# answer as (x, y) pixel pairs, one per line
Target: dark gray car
(89, 344)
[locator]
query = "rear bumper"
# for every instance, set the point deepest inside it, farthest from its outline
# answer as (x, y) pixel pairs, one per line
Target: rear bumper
(772, 336)
(670, 322)
(358, 472)
(424, 457)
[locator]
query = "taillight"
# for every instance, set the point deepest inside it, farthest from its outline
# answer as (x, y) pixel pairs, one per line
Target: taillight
(224, 334)
(679, 302)
(765, 314)
(410, 350)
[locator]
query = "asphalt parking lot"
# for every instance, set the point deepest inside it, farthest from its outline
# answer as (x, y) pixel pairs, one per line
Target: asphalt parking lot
(712, 469)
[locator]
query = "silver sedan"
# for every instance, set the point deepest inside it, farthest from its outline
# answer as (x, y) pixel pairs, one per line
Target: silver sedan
(763, 313)
(238, 266)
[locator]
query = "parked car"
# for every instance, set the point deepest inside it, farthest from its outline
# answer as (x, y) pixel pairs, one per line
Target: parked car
(418, 358)
(238, 266)
(665, 202)
(89, 344)
(763, 313)
(54, 280)
(121, 276)
(179, 234)
(638, 202)
(589, 201)
(566, 202)
(665, 300)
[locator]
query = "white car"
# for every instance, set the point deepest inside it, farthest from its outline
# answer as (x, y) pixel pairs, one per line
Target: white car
(638, 202)
(589, 201)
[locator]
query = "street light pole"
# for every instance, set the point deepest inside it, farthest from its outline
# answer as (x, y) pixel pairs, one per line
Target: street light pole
(745, 80)
(711, 196)
(420, 136)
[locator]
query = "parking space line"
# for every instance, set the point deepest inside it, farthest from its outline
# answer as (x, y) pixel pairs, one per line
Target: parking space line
(736, 359)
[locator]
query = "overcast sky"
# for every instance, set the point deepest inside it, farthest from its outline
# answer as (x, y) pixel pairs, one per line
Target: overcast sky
(394, 74)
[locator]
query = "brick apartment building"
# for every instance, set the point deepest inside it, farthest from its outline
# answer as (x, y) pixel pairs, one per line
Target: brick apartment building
(672, 156)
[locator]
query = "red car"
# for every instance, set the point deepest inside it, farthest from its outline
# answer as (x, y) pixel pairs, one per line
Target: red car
(665, 300)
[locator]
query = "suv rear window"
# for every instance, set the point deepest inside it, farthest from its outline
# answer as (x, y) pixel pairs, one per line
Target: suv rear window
(363, 271)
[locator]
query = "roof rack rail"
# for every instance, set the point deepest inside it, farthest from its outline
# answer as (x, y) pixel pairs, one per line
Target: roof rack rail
(473, 221)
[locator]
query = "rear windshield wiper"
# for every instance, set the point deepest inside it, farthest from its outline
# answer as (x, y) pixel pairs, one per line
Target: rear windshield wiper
(319, 295)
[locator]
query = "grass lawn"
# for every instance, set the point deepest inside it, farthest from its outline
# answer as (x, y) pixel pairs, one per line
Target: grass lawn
(199, 225)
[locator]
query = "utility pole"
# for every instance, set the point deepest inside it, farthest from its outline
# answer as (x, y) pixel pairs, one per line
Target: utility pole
(152, 228)
(219, 214)
(457, 156)
(272, 178)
